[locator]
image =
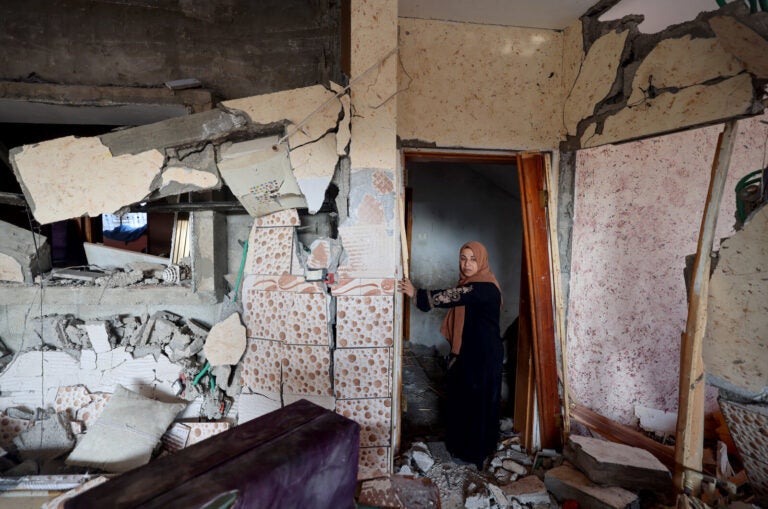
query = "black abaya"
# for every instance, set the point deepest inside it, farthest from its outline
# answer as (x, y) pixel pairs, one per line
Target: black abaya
(474, 380)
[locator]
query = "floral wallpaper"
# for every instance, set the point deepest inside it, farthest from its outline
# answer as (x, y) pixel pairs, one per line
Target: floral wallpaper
(637, 214)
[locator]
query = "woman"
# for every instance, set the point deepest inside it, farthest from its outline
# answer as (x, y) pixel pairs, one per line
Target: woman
(475, 361)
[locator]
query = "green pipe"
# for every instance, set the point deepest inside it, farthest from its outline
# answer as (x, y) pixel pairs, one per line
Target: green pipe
(721, 3)
(763, 5)
(202, 373)
(240, 272)
(753, 6)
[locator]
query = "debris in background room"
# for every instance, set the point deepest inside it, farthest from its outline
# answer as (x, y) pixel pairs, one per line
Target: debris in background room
(23, 255)
(106, 257)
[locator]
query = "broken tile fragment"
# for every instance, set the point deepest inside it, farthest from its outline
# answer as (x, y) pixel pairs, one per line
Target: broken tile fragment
(567, 483)
(528, 490)
(313, 166)
(225, 342)
(269, 251)
(262, 372)
(617, 464)
(98, 335)
(70, 399)
(287, 217)
(307, 370)
(251, 406)
(10, 428)
(199, 431)
(374, 417)
(373, 462)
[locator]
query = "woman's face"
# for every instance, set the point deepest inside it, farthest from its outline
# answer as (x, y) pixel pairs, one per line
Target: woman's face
(467, 262)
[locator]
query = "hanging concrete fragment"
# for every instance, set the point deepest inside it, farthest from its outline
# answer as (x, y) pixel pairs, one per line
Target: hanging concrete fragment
(225, 343)
(259, 174)
(735, 349)
(313, 166)
(23, 254)
(188, 171)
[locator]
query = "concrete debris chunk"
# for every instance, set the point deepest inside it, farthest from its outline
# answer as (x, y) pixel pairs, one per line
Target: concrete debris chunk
(567, 483)
(225, 343)
(147, 268)
(439, 451)
(528, 490)
(514, 467)
(46, 439)
(98, 335)
(477, 501)
(617, 464)
(20, 259)
(423, 461)
(120, 279)
(498, 496)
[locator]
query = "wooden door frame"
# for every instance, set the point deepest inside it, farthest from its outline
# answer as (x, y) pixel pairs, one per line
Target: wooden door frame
(531, 170)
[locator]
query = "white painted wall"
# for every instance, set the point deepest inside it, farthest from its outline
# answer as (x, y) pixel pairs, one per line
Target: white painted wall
(453, 204)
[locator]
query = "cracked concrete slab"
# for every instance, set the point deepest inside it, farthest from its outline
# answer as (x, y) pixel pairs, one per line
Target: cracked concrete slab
(595, 78)
(194, 172)
(225, 343)
(743, 43)
(735, 351)
(71, 177)
(23, 254)
(681, 63)
(313, 166)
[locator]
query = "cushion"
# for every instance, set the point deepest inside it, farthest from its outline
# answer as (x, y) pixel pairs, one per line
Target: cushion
(126, 433)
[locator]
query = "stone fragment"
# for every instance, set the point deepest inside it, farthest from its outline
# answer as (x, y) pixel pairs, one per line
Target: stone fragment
(46, 439)
(514, 467)
(120, 279)
(148, 268)
(528, 490)
(98, 335)
(225, 343)
(20, 259)
(423, 461)
(477, 501)
(567, 483)
(617, 464)
(498, 496)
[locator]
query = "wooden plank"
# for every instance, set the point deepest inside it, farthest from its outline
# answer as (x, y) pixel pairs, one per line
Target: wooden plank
(562, 367)
(690, 417)
(615, 432)
(524, 371)
(408, 231)
(530, 170)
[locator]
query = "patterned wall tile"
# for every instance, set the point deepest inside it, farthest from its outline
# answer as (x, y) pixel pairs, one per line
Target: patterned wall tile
(89, 413)
(307, 370)
(374, 417)
(364, 321)
(266, 314)
(70, 399)
(261, 366)
(748, 425)
(11, 428)
(307, 323)
(374, 462)
(364, 287)
(199, 431)
(269, 250)
(346, 286)
(287, 217)
(361, 372)
(297, 284)
(328, 402)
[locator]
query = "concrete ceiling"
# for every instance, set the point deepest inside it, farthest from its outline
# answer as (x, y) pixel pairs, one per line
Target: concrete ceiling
(553, 14)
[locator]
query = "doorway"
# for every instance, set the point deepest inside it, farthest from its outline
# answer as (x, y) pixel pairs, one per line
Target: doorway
(500, 200)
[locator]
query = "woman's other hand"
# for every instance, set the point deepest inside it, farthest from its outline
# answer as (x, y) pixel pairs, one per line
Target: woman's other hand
(405, 286)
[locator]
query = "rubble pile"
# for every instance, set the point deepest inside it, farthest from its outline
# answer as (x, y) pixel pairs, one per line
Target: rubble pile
(132, 274)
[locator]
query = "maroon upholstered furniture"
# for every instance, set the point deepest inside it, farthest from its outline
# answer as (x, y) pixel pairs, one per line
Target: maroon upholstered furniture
(299, 456)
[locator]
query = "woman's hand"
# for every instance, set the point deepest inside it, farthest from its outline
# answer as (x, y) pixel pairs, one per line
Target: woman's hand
(405, 286)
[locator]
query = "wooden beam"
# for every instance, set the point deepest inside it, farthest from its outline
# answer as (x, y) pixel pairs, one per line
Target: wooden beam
(615, 432)
(690, 417)
(531, 175)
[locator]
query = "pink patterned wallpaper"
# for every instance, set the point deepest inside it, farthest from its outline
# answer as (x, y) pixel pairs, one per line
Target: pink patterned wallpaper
(637, 214)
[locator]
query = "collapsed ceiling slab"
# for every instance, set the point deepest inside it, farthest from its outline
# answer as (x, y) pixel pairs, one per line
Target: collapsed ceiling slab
(23, 254)
(71, 177)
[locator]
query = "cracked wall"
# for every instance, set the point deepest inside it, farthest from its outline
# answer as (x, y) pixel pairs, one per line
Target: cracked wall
(637, 214)
(626, 85)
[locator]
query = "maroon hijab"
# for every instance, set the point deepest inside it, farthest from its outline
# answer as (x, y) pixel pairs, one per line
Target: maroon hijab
(453, 325)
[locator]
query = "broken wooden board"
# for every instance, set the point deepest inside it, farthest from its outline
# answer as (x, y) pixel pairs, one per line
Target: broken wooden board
(567, 483)
(617, 464)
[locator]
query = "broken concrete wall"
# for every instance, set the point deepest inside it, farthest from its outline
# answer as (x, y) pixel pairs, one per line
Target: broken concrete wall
(23, 254)
(480, 86)
(622, 84)
(236, 48)
(637, 214)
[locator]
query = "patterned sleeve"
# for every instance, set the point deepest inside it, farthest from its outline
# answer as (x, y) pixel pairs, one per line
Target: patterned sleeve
(467, 295)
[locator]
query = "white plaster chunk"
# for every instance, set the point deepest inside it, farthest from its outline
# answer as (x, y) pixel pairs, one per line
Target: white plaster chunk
(655, 420)
(70, 177)
(692, 106)
(313, 166)
(735, 343)
(294, 106)
(681, 63)
(423, 461)
(744, 43)
(595, 78)
(98, 335)
(189, 177)
(10, 269)
(225, 343)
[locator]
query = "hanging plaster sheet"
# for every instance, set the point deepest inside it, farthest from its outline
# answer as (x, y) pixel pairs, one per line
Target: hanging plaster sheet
(259, 174)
